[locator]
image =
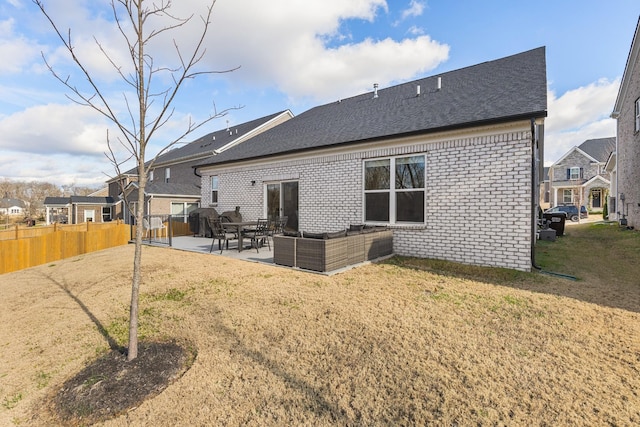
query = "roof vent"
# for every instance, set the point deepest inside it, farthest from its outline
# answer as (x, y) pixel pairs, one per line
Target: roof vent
(213, 138)
(375, 90)
(227, 125)
(439, 83)
(418, 90)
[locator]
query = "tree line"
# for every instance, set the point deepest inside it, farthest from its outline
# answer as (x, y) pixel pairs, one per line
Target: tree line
(33, 193)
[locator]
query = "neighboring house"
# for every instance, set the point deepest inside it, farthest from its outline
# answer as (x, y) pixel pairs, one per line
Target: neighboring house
(579, 177)
(627, 113)
(172, 187)
(12, 207)
(446, 162)
(78, 209)
(545, 190)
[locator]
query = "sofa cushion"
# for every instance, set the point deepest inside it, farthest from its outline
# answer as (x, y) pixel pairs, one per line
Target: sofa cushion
(335, 235)
(308, 235)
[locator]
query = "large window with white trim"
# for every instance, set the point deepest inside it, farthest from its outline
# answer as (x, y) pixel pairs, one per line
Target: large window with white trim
(574, 173)
(394, 190)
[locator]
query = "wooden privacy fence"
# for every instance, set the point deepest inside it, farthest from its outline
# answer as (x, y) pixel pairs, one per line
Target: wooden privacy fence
(24, 247)
(27, 247)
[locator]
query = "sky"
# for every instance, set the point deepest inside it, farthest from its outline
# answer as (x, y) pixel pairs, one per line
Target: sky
(270, 56)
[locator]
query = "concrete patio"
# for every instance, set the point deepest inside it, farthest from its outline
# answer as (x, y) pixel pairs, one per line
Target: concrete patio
(203, 244)
(264, 255)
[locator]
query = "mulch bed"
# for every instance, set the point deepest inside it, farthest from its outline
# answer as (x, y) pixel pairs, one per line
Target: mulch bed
(112, 385)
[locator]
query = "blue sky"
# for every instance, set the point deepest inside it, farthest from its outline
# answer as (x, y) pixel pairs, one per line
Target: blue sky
(295, 54)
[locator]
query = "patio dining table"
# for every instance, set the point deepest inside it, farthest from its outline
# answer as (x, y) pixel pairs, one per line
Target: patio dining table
(240, 227)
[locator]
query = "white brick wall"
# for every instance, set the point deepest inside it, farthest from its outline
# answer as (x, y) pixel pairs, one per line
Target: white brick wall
(478, 197)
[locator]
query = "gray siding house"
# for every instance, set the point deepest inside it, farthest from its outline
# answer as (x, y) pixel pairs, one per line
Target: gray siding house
(627, 162)
(580, 178)
(451, 163)
(172, 186)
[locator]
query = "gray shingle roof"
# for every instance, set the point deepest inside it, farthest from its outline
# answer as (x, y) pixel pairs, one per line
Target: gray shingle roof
(9, 203)
(510, 88)
(599, 148)
(92, 200)
(209, 142)
(61, 201)
(56, 201)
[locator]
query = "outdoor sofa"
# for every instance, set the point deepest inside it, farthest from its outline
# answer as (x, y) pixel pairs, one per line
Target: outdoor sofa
(331, 251)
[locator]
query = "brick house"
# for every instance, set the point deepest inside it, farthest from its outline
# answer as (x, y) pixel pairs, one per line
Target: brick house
(439, 160)
(172, 187)
(626, 111)
(580, 178)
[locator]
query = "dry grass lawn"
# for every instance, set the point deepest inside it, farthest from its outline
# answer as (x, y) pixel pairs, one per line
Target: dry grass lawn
(403, 342)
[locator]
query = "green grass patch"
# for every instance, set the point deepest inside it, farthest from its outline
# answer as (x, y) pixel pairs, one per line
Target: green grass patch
(10, 402)
(42, 379)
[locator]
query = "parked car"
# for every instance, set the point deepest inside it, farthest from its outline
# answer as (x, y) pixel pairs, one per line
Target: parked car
(570, 211)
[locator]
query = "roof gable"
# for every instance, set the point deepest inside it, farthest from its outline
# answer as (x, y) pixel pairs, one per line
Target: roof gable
(214, 142)
(506, 89)
(574, 150)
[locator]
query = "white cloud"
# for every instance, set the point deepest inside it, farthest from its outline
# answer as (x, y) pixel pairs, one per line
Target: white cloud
(21, 51)
(54, 128)
(285, 46)
(578, 115)
(416, 8)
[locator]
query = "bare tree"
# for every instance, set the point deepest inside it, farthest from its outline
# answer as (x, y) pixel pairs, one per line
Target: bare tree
(150, 110)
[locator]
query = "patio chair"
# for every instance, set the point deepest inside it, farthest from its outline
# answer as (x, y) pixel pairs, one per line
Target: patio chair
(218, 232)
(157, 226)
(278, 225)
(259, 235)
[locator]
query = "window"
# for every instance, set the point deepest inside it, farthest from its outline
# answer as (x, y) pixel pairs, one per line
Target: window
(574, 173)
(214, 190)
(150, 175)
(106, 213)
(89, 215)
(394, 190)
(167, 174)
(567, 196)
(180, 210)
(637, 114)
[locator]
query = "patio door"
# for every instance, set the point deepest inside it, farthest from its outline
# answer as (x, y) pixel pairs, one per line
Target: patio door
(282, 200)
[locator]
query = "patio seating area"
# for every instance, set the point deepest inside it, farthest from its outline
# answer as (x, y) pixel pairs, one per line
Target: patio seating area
(319, 255)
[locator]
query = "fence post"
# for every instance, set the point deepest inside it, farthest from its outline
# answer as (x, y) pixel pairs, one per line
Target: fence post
(16, 231)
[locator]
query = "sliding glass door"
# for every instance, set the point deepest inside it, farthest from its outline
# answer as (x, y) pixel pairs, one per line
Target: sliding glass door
(282, 200)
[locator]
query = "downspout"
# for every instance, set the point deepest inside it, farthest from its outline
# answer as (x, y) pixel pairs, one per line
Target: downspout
(534, 196)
